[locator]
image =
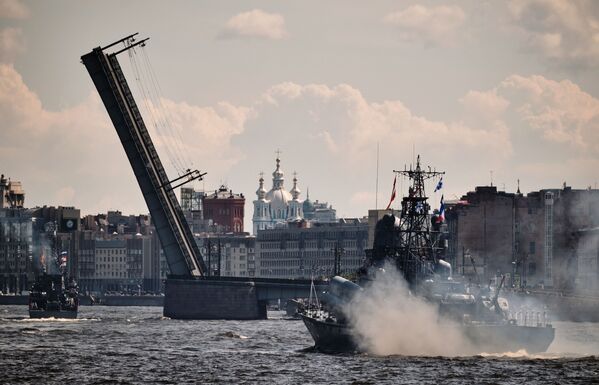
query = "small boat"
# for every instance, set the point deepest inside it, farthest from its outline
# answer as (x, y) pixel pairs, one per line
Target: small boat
(50, 297)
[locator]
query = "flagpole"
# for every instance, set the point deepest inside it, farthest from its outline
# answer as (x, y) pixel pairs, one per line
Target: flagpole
(376, 198)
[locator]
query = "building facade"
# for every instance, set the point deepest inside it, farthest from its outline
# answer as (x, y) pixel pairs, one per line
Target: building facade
(11, 193)
(587, 252)
(228, 255)
(318, 211)
(193, 210)
(219, 212)
(119, 263)
(16, 249)
(530, 238)
(306, 250)
(225, 209)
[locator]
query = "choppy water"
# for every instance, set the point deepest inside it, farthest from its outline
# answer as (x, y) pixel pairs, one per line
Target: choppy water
(130, 345)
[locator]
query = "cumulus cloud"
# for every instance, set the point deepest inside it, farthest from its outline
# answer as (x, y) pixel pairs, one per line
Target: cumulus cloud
(11, 44)
(560, 111)
(207, 131)
(13, 9)
(489, 104)
(437, 25)
(358, 123)
(328, 133)
(565, 31)
(255, 24)
(553, 127)
(78, 147)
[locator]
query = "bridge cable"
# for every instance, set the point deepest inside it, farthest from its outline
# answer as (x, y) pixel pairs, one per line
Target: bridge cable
(169, 139)
(152, 112)
(166, 115)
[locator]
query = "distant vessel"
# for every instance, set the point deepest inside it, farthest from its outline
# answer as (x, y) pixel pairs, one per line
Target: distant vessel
(53, 294)
(409, 243)
(50, 297)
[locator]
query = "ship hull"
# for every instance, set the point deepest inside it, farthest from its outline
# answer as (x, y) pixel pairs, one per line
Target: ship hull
(331, 337)
(490, 338)
(52, 313)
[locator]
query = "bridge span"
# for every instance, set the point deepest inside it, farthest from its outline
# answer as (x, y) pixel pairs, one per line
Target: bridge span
(230, 297)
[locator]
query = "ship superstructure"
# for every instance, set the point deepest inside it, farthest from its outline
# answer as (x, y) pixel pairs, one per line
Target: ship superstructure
(408, 241)
(54, 294)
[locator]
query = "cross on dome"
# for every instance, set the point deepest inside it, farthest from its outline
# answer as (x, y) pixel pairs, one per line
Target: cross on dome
(295, 191)
(278, 175)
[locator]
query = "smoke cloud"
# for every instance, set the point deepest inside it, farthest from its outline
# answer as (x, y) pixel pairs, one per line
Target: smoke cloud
(386, 320)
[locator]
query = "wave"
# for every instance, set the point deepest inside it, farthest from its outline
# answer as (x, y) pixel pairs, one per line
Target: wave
(535, 356)
(230, 334)
(52, 319)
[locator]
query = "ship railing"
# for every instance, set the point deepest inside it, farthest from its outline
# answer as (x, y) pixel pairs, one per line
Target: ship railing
(317, 312)
(531, 318)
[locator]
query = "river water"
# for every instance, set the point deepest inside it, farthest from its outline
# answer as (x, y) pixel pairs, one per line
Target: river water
(130, 345)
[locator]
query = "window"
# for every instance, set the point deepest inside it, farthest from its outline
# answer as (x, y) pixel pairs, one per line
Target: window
(532, 247)
(532, 268)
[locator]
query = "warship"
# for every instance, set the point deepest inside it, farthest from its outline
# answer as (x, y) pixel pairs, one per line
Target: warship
(53, 294)
(51, 297)
(413, 244)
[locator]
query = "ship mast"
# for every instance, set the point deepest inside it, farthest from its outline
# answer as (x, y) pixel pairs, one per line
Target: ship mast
(415, 254)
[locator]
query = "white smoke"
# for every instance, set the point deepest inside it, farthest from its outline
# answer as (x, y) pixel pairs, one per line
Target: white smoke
(386, 319)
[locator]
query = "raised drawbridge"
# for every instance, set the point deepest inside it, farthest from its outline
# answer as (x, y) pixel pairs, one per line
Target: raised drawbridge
(189, 294)
(182, 253)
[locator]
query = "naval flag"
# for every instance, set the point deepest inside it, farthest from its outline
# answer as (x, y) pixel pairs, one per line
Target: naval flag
(442, 211)
(439, 185)
(63, 259)
(392, 193)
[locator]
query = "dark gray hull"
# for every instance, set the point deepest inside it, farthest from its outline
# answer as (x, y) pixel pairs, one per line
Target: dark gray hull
(332, 337)
(52, 313)
(492, 338)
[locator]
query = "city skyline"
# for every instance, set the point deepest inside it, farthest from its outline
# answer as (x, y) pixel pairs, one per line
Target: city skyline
(473, 87)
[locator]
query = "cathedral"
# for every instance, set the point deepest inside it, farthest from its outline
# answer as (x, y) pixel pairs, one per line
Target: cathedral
(277, 206)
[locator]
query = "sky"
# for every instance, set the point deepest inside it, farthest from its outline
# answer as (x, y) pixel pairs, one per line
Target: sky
(483, 90)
